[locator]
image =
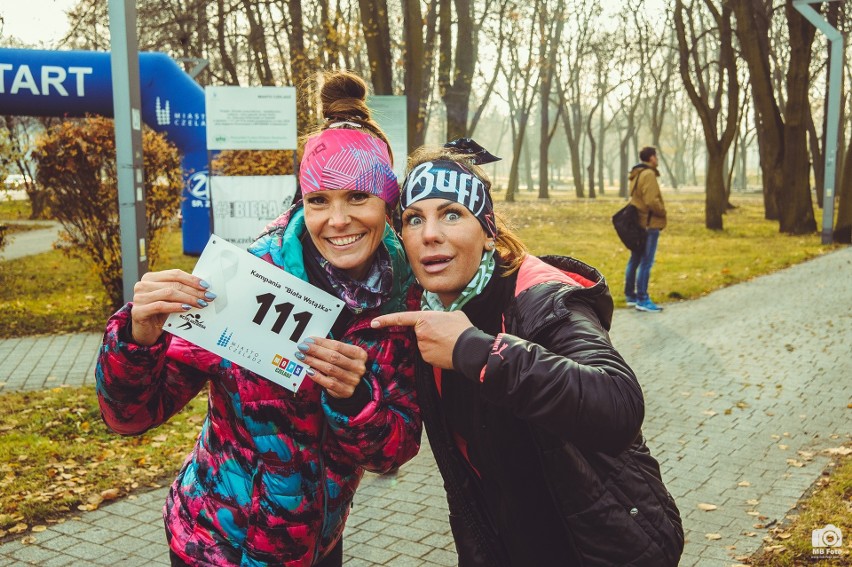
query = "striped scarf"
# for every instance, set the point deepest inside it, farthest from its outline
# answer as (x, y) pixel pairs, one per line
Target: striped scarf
(431, 302)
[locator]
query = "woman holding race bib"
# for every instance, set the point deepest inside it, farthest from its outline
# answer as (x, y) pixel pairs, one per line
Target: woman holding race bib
(533, 417)
(272, 475)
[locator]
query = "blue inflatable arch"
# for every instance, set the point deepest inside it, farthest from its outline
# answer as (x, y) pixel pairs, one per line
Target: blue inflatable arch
(75, 83)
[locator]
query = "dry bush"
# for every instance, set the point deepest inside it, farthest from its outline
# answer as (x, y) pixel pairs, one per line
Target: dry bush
(76, 166)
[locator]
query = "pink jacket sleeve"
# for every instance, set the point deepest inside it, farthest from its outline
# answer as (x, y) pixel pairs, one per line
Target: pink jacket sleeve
(142, 387)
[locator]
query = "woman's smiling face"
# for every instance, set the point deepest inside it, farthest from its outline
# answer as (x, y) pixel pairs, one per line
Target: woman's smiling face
(346, 227)
(444, 243)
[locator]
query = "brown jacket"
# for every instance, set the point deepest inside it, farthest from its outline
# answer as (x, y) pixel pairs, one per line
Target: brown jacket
(645, 195)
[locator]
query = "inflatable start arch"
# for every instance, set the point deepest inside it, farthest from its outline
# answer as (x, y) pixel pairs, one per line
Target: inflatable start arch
(75, 83)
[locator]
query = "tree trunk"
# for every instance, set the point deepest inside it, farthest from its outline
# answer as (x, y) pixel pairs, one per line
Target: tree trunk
(715, 198)
(514, 173)
(796, 210)
(843, 225)
(374, 19)
(299, 64)
(817, 156)
(456, 64)
(753, 23)
(419, 60)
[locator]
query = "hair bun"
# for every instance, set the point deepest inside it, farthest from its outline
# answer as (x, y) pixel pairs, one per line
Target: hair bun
(344, 96)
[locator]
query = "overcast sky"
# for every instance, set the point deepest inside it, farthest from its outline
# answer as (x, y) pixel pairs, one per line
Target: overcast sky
(35, 22)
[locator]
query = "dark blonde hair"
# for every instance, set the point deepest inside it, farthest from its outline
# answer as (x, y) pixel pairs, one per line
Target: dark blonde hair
(343, 97)
(512, 251)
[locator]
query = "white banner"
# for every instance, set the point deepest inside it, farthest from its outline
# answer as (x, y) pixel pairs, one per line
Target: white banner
(243, 206)
(250, 118)
(391, 115)
(259, 315)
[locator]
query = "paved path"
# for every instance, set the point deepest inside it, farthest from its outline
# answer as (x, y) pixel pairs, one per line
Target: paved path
(30, 242)
(737, 383)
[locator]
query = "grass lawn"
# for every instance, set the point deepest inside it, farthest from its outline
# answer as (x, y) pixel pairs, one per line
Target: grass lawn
(830, 502)
(56, 455)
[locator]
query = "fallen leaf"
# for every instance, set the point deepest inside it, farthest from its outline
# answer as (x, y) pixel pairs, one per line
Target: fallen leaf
(753, 513)
(744, 483)
(752, 502)
(18, 528)
(38, 529)
(110, 494)
(709, 413)
(784, 535)
(28, 540)
(782, 447)
(775, 548)
(758, 526)
(795, 463)
(707, 507)
(713, 537)
(843, 451)
(749, 534)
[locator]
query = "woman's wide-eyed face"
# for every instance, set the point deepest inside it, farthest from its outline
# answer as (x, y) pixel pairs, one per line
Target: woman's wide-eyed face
(444, 243)
(346, 227)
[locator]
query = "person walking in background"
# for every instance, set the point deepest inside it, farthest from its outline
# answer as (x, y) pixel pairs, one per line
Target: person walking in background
(271, 478)
(533, 417)
(645, 195)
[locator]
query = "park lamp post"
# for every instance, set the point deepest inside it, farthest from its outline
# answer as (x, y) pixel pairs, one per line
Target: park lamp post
(127, 112)
(832, 124)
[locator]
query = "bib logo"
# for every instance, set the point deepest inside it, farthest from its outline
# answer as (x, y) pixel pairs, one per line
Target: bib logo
(190, 321)
(287, 368)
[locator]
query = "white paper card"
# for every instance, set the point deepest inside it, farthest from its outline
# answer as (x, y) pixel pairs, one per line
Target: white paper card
(259, 315)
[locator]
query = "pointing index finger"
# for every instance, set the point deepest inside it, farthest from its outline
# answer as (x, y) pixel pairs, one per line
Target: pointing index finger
(404, 318)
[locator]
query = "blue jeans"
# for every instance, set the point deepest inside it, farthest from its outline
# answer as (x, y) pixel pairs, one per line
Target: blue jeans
(639, 268)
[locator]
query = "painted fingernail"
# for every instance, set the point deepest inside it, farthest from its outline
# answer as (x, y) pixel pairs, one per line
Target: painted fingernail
(309, 340)
(203, 284)
(303, 347)
(209, 295)
(186, 307)
(202, 303)
(310, 372)
(300, 356)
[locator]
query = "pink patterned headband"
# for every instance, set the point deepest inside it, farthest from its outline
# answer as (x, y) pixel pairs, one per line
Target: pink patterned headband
(348, 159)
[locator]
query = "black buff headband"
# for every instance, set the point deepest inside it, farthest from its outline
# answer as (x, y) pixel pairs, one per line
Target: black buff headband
(449, 180)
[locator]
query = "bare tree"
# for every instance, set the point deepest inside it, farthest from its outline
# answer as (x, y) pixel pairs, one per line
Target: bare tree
(709, 73)
(521, 75)
(783, 138)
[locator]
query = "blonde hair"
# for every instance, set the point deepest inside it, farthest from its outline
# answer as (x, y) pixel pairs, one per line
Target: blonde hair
(343, 97)
(512, 251)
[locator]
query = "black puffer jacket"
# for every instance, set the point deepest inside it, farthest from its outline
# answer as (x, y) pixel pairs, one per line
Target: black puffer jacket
(554, 376)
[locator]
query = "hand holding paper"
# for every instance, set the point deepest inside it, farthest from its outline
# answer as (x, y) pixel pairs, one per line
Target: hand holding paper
(338, 367)
(159, 294)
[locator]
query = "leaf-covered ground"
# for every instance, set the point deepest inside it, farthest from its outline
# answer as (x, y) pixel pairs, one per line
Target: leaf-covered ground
(57, 456)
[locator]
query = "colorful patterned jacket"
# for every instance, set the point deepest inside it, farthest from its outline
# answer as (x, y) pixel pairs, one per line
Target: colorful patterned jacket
(271, 477)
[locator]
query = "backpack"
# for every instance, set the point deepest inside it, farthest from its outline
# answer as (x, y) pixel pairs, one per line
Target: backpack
(626, 223)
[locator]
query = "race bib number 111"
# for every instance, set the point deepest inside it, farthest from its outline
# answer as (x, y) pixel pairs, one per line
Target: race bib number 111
(259, 315)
